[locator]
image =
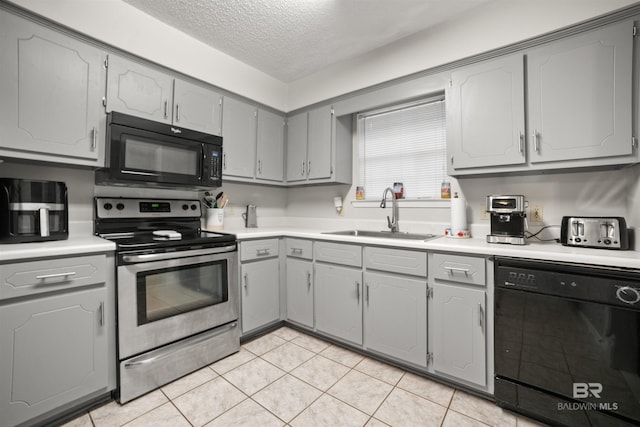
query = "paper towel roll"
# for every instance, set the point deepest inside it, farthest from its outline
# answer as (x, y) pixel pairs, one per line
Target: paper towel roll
(458, 215)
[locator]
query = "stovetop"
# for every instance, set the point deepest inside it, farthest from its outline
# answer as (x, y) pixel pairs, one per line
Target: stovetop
(131, 223)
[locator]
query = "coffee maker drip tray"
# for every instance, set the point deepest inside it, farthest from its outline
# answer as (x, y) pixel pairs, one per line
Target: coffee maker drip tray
(511, 240)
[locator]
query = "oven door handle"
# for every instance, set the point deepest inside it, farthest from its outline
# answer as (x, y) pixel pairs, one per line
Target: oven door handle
(178, 254)
(187, 343)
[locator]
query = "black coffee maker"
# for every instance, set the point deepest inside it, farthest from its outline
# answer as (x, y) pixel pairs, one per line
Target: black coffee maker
(508, 219)
(33, 211)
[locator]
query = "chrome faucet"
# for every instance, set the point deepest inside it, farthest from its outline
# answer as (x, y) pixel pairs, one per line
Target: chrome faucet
(393, 221)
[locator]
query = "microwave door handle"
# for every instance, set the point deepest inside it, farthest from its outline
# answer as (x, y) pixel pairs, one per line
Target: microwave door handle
(44, 221)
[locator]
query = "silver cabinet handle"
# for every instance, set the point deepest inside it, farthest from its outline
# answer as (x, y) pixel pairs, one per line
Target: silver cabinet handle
(101, 313)
(308, 167)
(260, 167)
(246, 284)
(366, 293)
(453, 270)
(303, 164)
(166, 105)
(263, 252)
(521, 143)
(480, 315)
(51, 276)
(177, 112)
(94, 138)
(224, 161)
(358, 291)
(308, 281)
(536, 140)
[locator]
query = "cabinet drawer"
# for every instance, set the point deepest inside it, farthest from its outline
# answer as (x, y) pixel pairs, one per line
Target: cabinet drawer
(258, 249)
(300, 248)
(396, 260)
(28, 278)
(459, 268)
(338, 253)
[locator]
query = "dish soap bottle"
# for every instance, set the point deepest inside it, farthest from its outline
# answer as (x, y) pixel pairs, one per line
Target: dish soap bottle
(445, 190)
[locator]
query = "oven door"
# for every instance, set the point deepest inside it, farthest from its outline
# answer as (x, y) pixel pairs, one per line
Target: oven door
(163, 301)
(568, 360)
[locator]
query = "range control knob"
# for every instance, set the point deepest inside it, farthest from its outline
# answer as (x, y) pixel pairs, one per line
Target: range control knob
(108, 206)
(194, 207)
(628, 295)
(185, 207)
(120, 206)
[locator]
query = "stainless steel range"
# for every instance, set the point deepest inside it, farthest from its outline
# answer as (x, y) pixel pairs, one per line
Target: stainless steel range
(177, 290)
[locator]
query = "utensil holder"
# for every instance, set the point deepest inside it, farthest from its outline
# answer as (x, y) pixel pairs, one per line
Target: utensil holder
(214, 218)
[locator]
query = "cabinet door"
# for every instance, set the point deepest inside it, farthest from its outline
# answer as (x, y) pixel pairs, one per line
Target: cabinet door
(52, 91)
(485, 114)
(239, 138)
(580, 93)
(300, 291)
(338, 302)
(458, 327)
(196, 107)
(320, 143)
(395, 316)
(260, 293)
(270, 150)
(54, 351)
(297, 148)
(139, 91)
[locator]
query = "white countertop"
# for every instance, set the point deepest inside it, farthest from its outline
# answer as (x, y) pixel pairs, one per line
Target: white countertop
(544, 251)
(75, 245)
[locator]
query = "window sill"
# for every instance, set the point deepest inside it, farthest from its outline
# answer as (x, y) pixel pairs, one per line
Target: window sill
(404, 203)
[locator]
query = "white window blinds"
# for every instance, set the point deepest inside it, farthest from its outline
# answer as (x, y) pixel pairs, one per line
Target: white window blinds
(406, 144)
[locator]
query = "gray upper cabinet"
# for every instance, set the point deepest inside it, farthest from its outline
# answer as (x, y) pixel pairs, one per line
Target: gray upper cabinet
(485, 114)
(319, 147)
(270, 146)
(239, 138)
(578, 108)
(580, 93)
(297, 126)
(52, 87)
(319, 144)
(142, 91)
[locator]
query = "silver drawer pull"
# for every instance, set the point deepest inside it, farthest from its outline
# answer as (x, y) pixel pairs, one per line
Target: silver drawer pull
(454, 270)
(51, 276)
(296, 251)
(262, 252)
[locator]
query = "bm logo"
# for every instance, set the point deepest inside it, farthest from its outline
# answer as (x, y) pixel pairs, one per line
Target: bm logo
(585, 390)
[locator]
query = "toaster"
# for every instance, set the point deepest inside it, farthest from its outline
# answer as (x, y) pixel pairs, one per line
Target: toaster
(595, 232)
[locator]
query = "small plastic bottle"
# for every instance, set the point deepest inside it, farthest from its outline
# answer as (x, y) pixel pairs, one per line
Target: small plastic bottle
(445, 190)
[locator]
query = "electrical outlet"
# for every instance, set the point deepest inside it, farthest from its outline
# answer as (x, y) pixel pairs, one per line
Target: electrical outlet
(536, 214)
(483, 212)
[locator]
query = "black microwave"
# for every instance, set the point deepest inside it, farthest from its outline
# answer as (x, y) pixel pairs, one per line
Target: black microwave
(142, 152)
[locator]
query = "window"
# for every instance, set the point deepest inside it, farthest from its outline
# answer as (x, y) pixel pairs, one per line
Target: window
(404, 143)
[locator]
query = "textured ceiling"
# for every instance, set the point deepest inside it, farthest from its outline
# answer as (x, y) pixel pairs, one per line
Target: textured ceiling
(290, 39)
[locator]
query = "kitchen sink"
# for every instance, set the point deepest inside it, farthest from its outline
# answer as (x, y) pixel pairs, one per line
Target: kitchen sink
(383, 234)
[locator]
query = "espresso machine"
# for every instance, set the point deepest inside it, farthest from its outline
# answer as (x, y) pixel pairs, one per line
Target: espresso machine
(508, 219)
(33, 211)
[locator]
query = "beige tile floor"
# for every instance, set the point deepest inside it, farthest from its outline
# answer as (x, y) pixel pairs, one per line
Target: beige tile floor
(289, 378)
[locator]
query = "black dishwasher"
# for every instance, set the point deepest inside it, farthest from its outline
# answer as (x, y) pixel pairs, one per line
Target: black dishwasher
(567, 342)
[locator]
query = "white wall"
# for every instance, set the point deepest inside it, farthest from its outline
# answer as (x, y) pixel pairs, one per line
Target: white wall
(496, 24)
(123, 26)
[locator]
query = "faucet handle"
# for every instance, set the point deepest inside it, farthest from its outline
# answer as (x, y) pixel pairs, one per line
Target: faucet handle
(389, 224)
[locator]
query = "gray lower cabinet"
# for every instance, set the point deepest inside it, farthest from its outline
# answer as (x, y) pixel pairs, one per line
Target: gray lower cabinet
(458, 318)
(259, 283)
(52, 87)
(395, 317)
(338, 301)
(300, 291)
(260, 289)
(57, 340)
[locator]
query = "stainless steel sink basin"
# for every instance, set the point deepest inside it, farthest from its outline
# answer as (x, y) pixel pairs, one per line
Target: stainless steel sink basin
(383, 234)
